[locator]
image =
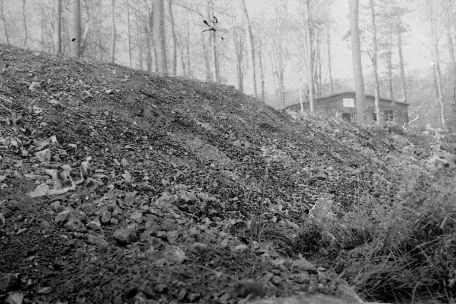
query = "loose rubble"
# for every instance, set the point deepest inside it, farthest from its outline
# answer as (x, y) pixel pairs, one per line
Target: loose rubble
(199, 199)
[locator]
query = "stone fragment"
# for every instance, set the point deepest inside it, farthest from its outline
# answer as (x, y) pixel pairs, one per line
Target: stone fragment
(303, 265)
(126, 235)
(15, 298)
(161, 288)
(199, 246)
(94, 225)
(181, 295)
(74, 224)
(2, 220)
(166, 200)
(276, 280)
(56, 205)
(62, 216)
(44, 290)
(174, 253)
(8, 281)
(124, 162)
(130, 198)
(241, 248)
(35, 86)
(97, 240)
(44, 156)
(168, 224)
(136, 216)
(117, 211)
(105, 215)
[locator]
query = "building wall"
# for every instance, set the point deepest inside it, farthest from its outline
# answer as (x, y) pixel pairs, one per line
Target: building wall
(333, 106)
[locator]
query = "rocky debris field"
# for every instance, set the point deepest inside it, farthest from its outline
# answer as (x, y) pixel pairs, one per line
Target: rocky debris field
(121, 187)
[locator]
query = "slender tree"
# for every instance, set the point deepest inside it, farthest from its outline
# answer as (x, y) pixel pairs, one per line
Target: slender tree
(213, 40)
(451, 52)
(389, 61)
(174, 38)
(238, 41)
(5, 25)
(328, 45)
(140, 43)
(24, 22)
(361, 107)
(207, 56)
(436, 61)
(260, 57)
(160, 37)
(113, 31)
(399, 30)
(374, 58)
(309, 54)
(251, 45)
(129, 35)
(76, 29)
(58, 26)
(148, 39)
(187, 52)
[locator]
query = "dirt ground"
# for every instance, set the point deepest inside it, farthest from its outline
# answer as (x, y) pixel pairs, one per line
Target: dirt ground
(121, 187)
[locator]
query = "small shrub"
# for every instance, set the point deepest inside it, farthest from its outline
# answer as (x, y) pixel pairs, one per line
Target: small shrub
(412, 254)
(312, 237)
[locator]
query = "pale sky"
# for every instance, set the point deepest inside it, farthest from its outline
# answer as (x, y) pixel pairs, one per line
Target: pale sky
(416, 52)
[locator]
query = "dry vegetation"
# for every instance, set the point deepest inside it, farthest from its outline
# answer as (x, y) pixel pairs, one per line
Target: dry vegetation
(192, 192)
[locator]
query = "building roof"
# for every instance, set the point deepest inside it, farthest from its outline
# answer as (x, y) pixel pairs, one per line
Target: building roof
(353, 93)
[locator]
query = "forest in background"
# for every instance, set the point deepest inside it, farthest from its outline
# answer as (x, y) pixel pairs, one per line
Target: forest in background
(269, 49)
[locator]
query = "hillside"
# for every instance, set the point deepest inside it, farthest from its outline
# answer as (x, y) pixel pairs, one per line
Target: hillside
(122, 187)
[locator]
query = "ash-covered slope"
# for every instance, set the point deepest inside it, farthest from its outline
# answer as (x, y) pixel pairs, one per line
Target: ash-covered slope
(117, 185)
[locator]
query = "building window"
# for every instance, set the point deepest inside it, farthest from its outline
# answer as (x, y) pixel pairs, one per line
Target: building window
(388, 115)
(348, 102)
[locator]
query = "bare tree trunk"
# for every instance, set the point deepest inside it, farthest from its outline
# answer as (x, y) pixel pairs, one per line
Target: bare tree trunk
(279, 70)
(5, 26)
(207, 63)
(113, 31)
(215, 58)
(260, 56)
(58, 27)
(76, 29)
(24, 22)
(436, 66)
(438, 79)
(401, 58)
(361, 106)
(129, 35)
(140, 52)
(451, 46)
(389, 62)
(375, 64)
(159, 37)
(139, 41)
(328, 45)
(213, 40)
(173, 32)
(148, 38)
(156, 58)
(249, 33)
(239, 52)
(310, 58)
(318, 68)
(43, 28)
(182, 59)
(188, 56)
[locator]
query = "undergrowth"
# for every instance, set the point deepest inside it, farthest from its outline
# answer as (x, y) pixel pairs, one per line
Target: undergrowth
(403, 251)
